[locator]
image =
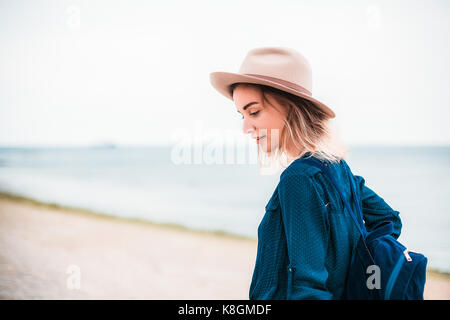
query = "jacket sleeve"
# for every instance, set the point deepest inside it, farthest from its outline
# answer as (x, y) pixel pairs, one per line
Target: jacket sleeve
(375, 209)
(304, 219)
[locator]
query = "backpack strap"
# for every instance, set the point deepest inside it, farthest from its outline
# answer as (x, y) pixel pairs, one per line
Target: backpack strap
(358, 222)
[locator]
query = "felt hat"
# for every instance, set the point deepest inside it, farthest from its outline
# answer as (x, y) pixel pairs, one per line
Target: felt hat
(278, 67)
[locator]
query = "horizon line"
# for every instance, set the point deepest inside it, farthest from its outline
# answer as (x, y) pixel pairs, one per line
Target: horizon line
(143, 145)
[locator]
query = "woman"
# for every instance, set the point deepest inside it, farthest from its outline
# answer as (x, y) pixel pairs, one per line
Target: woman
(305, 239)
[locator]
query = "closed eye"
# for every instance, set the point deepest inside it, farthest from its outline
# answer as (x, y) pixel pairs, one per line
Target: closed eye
(252, 114)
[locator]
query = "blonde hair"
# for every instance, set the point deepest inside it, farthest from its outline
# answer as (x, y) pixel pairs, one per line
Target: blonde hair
(307, 127)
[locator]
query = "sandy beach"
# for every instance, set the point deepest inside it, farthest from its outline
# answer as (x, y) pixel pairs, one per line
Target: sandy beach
(46, 250)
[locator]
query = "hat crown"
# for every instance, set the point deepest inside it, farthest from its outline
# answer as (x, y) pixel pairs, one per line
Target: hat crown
(277, 62)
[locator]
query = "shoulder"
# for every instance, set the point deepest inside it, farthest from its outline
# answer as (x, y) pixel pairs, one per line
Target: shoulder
(300, 191)
(299, 180)
(300, 174)
(299, 169)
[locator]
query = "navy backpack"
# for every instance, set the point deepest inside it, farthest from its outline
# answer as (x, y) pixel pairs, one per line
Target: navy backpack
(381, 267)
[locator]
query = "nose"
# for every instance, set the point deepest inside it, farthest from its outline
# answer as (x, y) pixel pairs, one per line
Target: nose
(247, 127)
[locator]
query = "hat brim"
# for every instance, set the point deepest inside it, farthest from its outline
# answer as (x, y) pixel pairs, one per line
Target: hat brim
(222, 81)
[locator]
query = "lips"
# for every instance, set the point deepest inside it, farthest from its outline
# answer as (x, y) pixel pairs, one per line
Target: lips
(259, 138)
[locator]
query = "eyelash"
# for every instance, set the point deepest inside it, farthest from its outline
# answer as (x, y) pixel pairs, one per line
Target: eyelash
(252, 114)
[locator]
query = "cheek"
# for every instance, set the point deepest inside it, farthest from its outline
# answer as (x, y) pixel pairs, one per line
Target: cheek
(267, 121)
(273, 122)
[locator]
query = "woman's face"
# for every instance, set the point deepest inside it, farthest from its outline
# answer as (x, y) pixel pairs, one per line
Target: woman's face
(260, 120)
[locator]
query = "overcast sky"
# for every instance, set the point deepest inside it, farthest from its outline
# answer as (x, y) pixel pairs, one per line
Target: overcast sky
(134, 72)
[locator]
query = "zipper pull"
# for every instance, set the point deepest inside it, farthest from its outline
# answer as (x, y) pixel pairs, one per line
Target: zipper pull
(407, 255)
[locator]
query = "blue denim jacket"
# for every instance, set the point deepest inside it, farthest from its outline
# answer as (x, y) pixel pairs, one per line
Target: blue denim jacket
(306, 238)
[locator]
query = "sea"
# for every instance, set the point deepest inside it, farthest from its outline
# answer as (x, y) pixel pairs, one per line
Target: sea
(155, 184)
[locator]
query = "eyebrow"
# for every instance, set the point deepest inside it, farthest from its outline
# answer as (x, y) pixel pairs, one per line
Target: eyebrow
(247, 105)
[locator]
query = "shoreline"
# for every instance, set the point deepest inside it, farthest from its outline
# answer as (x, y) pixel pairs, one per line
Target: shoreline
(170, 226)
(123, 258)
(103, 215)
(44, 246)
